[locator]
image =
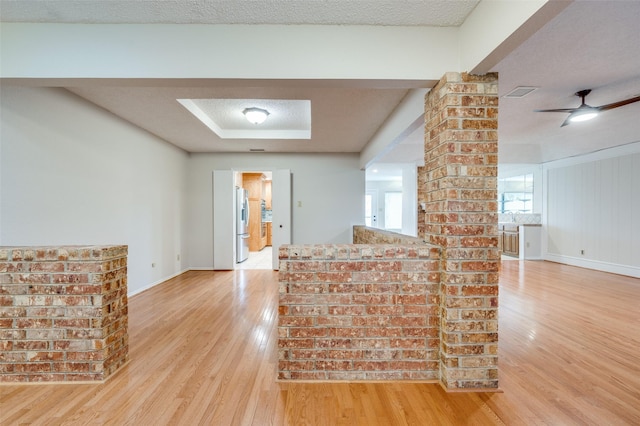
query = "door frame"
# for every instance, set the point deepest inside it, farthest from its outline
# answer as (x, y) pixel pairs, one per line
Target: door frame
(224, 226)
(281, 206)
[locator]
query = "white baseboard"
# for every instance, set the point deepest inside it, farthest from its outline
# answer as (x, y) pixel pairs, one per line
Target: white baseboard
(614, 268)
(156, 283)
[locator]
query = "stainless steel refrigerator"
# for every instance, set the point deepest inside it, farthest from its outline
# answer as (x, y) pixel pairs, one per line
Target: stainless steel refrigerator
(242, 225)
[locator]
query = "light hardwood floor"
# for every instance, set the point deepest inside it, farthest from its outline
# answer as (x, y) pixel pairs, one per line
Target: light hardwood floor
(203, 352)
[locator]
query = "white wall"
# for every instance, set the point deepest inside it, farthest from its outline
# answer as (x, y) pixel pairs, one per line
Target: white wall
(328, 187)
(593, 204)
(73, 173)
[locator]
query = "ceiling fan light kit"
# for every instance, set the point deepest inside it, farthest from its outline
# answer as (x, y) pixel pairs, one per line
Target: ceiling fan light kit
(582, 116)
(586, 112)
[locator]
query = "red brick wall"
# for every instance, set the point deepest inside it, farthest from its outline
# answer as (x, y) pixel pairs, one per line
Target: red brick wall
(366, 235)
(358, 312)
(407, 309)
(459, 186)
(63, 313)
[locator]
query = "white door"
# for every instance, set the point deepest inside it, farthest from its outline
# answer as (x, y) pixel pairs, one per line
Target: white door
(223, 220)
(371, 208)
(281, 205)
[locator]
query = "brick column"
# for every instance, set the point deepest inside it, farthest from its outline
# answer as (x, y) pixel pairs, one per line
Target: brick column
(63, 313)
(459, 186)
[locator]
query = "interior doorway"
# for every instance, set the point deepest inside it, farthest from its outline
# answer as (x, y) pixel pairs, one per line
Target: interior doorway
(268, 208)
(256, 186)
(258, 259)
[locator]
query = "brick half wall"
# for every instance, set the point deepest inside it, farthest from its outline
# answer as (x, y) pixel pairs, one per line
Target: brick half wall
(358, 312)
(63, 313)
(366, 235)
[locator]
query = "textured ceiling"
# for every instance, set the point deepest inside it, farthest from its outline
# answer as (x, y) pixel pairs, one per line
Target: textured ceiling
(343, 119)
(590, 45)
(352, 12)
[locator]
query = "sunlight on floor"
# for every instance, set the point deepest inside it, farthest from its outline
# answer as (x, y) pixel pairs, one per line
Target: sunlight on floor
(257, 260)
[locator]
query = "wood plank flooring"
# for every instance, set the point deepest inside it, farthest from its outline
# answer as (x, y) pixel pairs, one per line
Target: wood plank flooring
(203, 352)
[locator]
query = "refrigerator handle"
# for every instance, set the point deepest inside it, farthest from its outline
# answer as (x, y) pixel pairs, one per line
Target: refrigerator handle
(246, 203)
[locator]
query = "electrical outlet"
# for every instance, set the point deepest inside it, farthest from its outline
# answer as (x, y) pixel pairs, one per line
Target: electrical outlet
(581, 251)
(528, 244)
(299, 203)
(178, 257)
(153, 265)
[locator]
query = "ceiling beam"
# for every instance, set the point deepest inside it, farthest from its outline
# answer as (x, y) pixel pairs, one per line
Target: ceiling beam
(492, 31)
(496, 27)
(159, 51)
(404, 120)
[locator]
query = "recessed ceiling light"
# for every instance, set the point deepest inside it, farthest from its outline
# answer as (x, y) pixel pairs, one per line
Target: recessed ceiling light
(520, 92)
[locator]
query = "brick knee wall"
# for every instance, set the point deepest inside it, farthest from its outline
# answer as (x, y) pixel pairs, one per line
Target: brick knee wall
(366, 235)
(337, 302)
(63, 313)
(358, 312)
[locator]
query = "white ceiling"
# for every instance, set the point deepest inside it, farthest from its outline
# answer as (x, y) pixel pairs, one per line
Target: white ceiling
(284, 118)
(591, 44)
(327, 12)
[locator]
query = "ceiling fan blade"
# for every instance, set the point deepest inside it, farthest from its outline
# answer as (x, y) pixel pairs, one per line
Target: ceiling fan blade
(556, 110)
(586, 112)
(618, 104)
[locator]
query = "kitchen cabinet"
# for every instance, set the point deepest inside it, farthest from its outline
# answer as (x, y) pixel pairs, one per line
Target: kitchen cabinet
(510, 238)
(255, 226)
(263, 239)
(253, 183)
(269, 228)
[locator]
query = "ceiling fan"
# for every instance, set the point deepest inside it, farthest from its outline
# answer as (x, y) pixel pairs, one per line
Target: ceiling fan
(586, 112)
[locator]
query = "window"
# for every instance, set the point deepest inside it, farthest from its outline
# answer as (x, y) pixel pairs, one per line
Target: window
(515, 194)
(393, 211)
